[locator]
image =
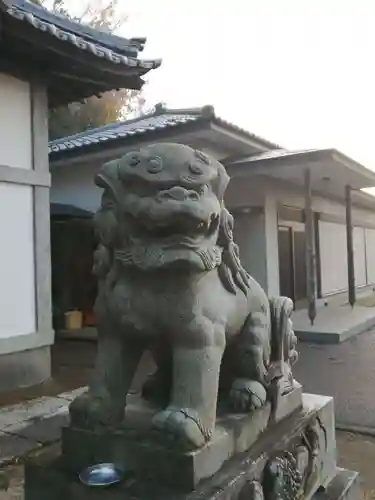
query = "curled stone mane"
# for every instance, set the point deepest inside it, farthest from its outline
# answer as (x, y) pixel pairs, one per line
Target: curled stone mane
(231, 272)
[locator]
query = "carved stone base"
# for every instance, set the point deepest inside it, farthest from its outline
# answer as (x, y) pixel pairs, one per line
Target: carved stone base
(135, 447)
(292, 458)
(346, 485)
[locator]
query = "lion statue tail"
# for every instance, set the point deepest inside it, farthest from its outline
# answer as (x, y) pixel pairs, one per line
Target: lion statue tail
(283, 341)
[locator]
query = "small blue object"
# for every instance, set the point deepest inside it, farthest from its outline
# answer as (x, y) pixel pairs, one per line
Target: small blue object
(101, 475)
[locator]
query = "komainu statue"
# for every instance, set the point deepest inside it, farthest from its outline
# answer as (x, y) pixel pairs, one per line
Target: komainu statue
(171, 280)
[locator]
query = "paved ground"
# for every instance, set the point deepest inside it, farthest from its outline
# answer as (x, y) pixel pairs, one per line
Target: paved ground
(72, 363)
(345, 371)
(334, 323)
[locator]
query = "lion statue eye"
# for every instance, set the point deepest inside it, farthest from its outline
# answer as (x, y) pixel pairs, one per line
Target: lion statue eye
(155, 165)
(195, 168)
(134, 160)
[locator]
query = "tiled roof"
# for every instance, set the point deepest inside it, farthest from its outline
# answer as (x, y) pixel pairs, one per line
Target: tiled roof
(160, 119)
(115, 49)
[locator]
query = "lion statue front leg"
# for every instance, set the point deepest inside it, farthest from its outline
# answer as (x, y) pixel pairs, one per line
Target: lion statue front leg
(189, 419)
(102, 406)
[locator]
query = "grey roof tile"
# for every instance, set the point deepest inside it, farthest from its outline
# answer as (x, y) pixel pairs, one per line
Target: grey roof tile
(161, 119)
(113, 48)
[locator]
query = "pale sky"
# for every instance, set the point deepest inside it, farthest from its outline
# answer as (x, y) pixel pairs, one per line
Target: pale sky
(297, 72)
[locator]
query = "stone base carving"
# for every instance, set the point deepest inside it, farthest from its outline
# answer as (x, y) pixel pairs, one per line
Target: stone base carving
(293, 458)
(136, 446)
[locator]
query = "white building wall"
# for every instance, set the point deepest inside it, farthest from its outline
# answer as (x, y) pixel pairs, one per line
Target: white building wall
(17, 277)
(332, 238)
(333, 257)
(74, 185)
(256, 235)
(15, 123)
(359, 247)
(17, 271)
(370, 254)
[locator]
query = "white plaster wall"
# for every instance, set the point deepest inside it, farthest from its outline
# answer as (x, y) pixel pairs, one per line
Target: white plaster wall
(333, 237)
(291, 196)
(74, 185)
(370, 253)
(17, 286)
(15, 123)
(333, 257)
(359, 250)
(250, 193)
(249, 234)
(256, 234)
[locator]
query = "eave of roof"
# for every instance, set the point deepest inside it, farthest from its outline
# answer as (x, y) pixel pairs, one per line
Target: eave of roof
(30, 31)
(104, 45)
(283, 157)
(146, 125)
(5, 4)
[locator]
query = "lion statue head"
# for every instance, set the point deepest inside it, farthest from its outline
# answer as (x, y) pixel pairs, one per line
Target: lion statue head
(163, 207)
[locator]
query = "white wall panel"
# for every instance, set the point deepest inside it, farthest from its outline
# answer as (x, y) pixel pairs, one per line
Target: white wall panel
(333, 257)
(359, 256)
(15, 123)
(370, 255)
(17, 275)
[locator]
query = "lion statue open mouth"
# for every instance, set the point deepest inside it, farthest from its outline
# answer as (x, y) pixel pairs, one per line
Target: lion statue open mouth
(170, 280)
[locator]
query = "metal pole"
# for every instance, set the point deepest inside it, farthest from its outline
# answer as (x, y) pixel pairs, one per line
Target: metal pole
(349, 243)
(310, 249)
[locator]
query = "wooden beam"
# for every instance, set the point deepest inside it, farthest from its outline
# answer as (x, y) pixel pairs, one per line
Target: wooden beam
(318, 263)
(350, 247)
(310, 248)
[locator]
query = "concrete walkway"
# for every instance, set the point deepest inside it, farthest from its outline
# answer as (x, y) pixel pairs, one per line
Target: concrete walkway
(27, 426)
(345, 371)
(334, 323)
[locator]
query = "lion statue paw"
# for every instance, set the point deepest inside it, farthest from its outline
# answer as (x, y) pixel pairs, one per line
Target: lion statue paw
(182, 427)
(247, 395)
(92, 411)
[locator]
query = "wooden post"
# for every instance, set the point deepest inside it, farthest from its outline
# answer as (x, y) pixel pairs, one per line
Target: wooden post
(349, 243)
(310, 249)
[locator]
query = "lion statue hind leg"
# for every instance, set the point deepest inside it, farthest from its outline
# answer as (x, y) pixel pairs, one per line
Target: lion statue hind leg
(249, 364)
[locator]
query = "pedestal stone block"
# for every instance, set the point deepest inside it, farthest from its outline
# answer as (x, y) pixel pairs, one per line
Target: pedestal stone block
(156, 473)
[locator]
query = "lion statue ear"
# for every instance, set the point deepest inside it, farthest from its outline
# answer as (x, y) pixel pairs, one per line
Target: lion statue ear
(221, 183)
(231, 272)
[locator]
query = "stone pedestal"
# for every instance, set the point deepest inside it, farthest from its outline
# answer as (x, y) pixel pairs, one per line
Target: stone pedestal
(239, 463)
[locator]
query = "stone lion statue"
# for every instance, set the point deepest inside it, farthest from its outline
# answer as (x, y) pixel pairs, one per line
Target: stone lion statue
(171, 280)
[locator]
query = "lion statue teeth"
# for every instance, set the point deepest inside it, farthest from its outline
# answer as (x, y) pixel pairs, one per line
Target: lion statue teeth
(171, 280)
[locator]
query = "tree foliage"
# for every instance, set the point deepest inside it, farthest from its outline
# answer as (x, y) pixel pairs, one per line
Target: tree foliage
(111, 106)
